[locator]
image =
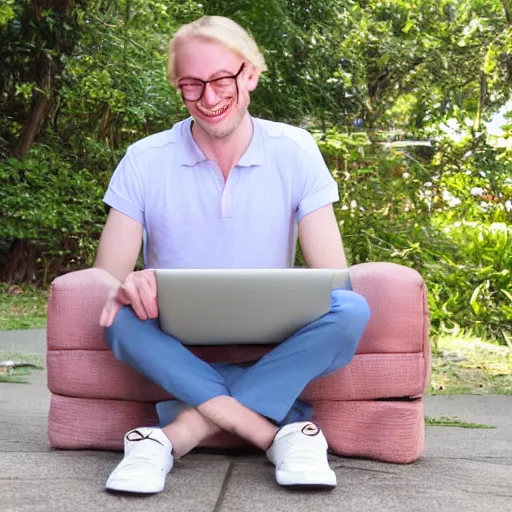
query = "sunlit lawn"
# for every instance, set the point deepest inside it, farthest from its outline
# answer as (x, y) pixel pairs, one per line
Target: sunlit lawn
(469, 365)
(22, 311)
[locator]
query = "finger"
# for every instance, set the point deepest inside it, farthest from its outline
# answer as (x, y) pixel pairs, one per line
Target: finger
(122, 296)
(105, 312)
(151, 279)
(148, 298)
(116, 307)
(133, 294)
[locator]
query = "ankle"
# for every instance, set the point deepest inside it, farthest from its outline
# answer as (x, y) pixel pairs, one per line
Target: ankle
(234, 417)
(188, 430)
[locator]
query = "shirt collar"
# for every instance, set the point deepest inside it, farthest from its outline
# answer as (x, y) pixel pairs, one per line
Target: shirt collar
(191, 153)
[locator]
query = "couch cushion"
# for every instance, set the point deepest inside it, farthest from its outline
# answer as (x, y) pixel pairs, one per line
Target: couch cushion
(387, 431)
(96, 374)
(397, 297)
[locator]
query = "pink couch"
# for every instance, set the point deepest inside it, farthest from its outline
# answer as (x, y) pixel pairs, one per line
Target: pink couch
(372, 408)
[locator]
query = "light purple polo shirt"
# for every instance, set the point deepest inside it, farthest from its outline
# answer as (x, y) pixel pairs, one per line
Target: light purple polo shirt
(193, 219)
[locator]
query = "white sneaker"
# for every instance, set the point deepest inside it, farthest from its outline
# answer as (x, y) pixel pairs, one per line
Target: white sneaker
(299, 453)
(146, 463)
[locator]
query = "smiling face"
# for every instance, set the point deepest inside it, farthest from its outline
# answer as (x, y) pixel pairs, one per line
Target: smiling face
(220, 110)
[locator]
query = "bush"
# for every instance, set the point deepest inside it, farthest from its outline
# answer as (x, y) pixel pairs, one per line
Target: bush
(470, 286)
(400, 208)
(51, 213)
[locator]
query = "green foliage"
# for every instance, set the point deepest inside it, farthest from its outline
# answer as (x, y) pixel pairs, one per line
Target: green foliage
(382, 211)
(394, 208)
(471, 180)
(6, 12)
(44, 200)
(470, 285)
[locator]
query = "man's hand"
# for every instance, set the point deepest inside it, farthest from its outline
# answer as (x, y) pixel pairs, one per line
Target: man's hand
(138, 291)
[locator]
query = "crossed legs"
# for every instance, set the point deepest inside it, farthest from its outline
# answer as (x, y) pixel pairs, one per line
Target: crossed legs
(252, 402)
(268, 389)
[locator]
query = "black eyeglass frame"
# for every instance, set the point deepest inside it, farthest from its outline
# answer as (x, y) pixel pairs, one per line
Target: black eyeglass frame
(204, 82)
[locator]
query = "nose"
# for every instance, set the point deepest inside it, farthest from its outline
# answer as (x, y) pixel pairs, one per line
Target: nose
(210, 97)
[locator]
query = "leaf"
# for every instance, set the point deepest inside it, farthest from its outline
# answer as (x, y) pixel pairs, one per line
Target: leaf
(507, 294)
(474, 298)
(508, 339)
(408, 26)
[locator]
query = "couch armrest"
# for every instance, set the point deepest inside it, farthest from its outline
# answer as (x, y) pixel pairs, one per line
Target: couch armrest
(74, 307)
(399, 322)
(397, 298)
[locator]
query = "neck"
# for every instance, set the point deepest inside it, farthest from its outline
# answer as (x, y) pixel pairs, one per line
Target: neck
(226, 152)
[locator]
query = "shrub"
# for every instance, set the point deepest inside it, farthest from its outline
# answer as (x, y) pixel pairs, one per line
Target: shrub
(471, 285)
(399, 208)
(51, 214)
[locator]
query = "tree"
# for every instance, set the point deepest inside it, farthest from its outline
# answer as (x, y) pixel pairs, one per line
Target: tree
(48, 32)
(83, 79)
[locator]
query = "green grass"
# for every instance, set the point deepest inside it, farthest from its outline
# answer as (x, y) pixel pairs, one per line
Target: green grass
(22, 311)
(20, 375)
(468, 365)
(445, 421)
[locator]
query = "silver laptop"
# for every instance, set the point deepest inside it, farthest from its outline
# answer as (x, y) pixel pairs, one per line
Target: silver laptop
(243, 306)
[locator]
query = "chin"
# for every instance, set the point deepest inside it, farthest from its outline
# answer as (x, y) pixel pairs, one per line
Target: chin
(221, 133)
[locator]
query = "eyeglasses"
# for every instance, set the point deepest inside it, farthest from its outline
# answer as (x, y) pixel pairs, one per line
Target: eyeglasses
(192, 89)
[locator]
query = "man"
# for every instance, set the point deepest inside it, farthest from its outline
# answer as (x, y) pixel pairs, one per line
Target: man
(223, 189)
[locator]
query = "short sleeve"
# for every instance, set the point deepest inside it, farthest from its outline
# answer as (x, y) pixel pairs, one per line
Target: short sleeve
(125, 190)
(320, 188)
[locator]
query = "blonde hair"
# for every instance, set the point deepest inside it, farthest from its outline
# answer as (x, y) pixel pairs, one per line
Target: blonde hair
(218, 29)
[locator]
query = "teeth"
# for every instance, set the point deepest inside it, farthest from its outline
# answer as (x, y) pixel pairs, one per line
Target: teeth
(214, 112)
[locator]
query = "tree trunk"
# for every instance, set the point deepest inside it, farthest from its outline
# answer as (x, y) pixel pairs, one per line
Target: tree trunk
(39, 110)
(105, 125)
(48, 68)
(507, 6)
(20, 266)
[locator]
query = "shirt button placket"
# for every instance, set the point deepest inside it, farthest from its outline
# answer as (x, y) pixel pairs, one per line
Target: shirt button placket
(227, 194)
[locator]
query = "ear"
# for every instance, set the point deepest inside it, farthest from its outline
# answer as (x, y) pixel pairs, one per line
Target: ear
(252, 78)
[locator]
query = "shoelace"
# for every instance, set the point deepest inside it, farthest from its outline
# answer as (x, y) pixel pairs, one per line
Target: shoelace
(141, 437)
(140, 454)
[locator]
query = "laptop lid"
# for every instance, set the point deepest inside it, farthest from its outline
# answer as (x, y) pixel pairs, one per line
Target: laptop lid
(243, 306)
